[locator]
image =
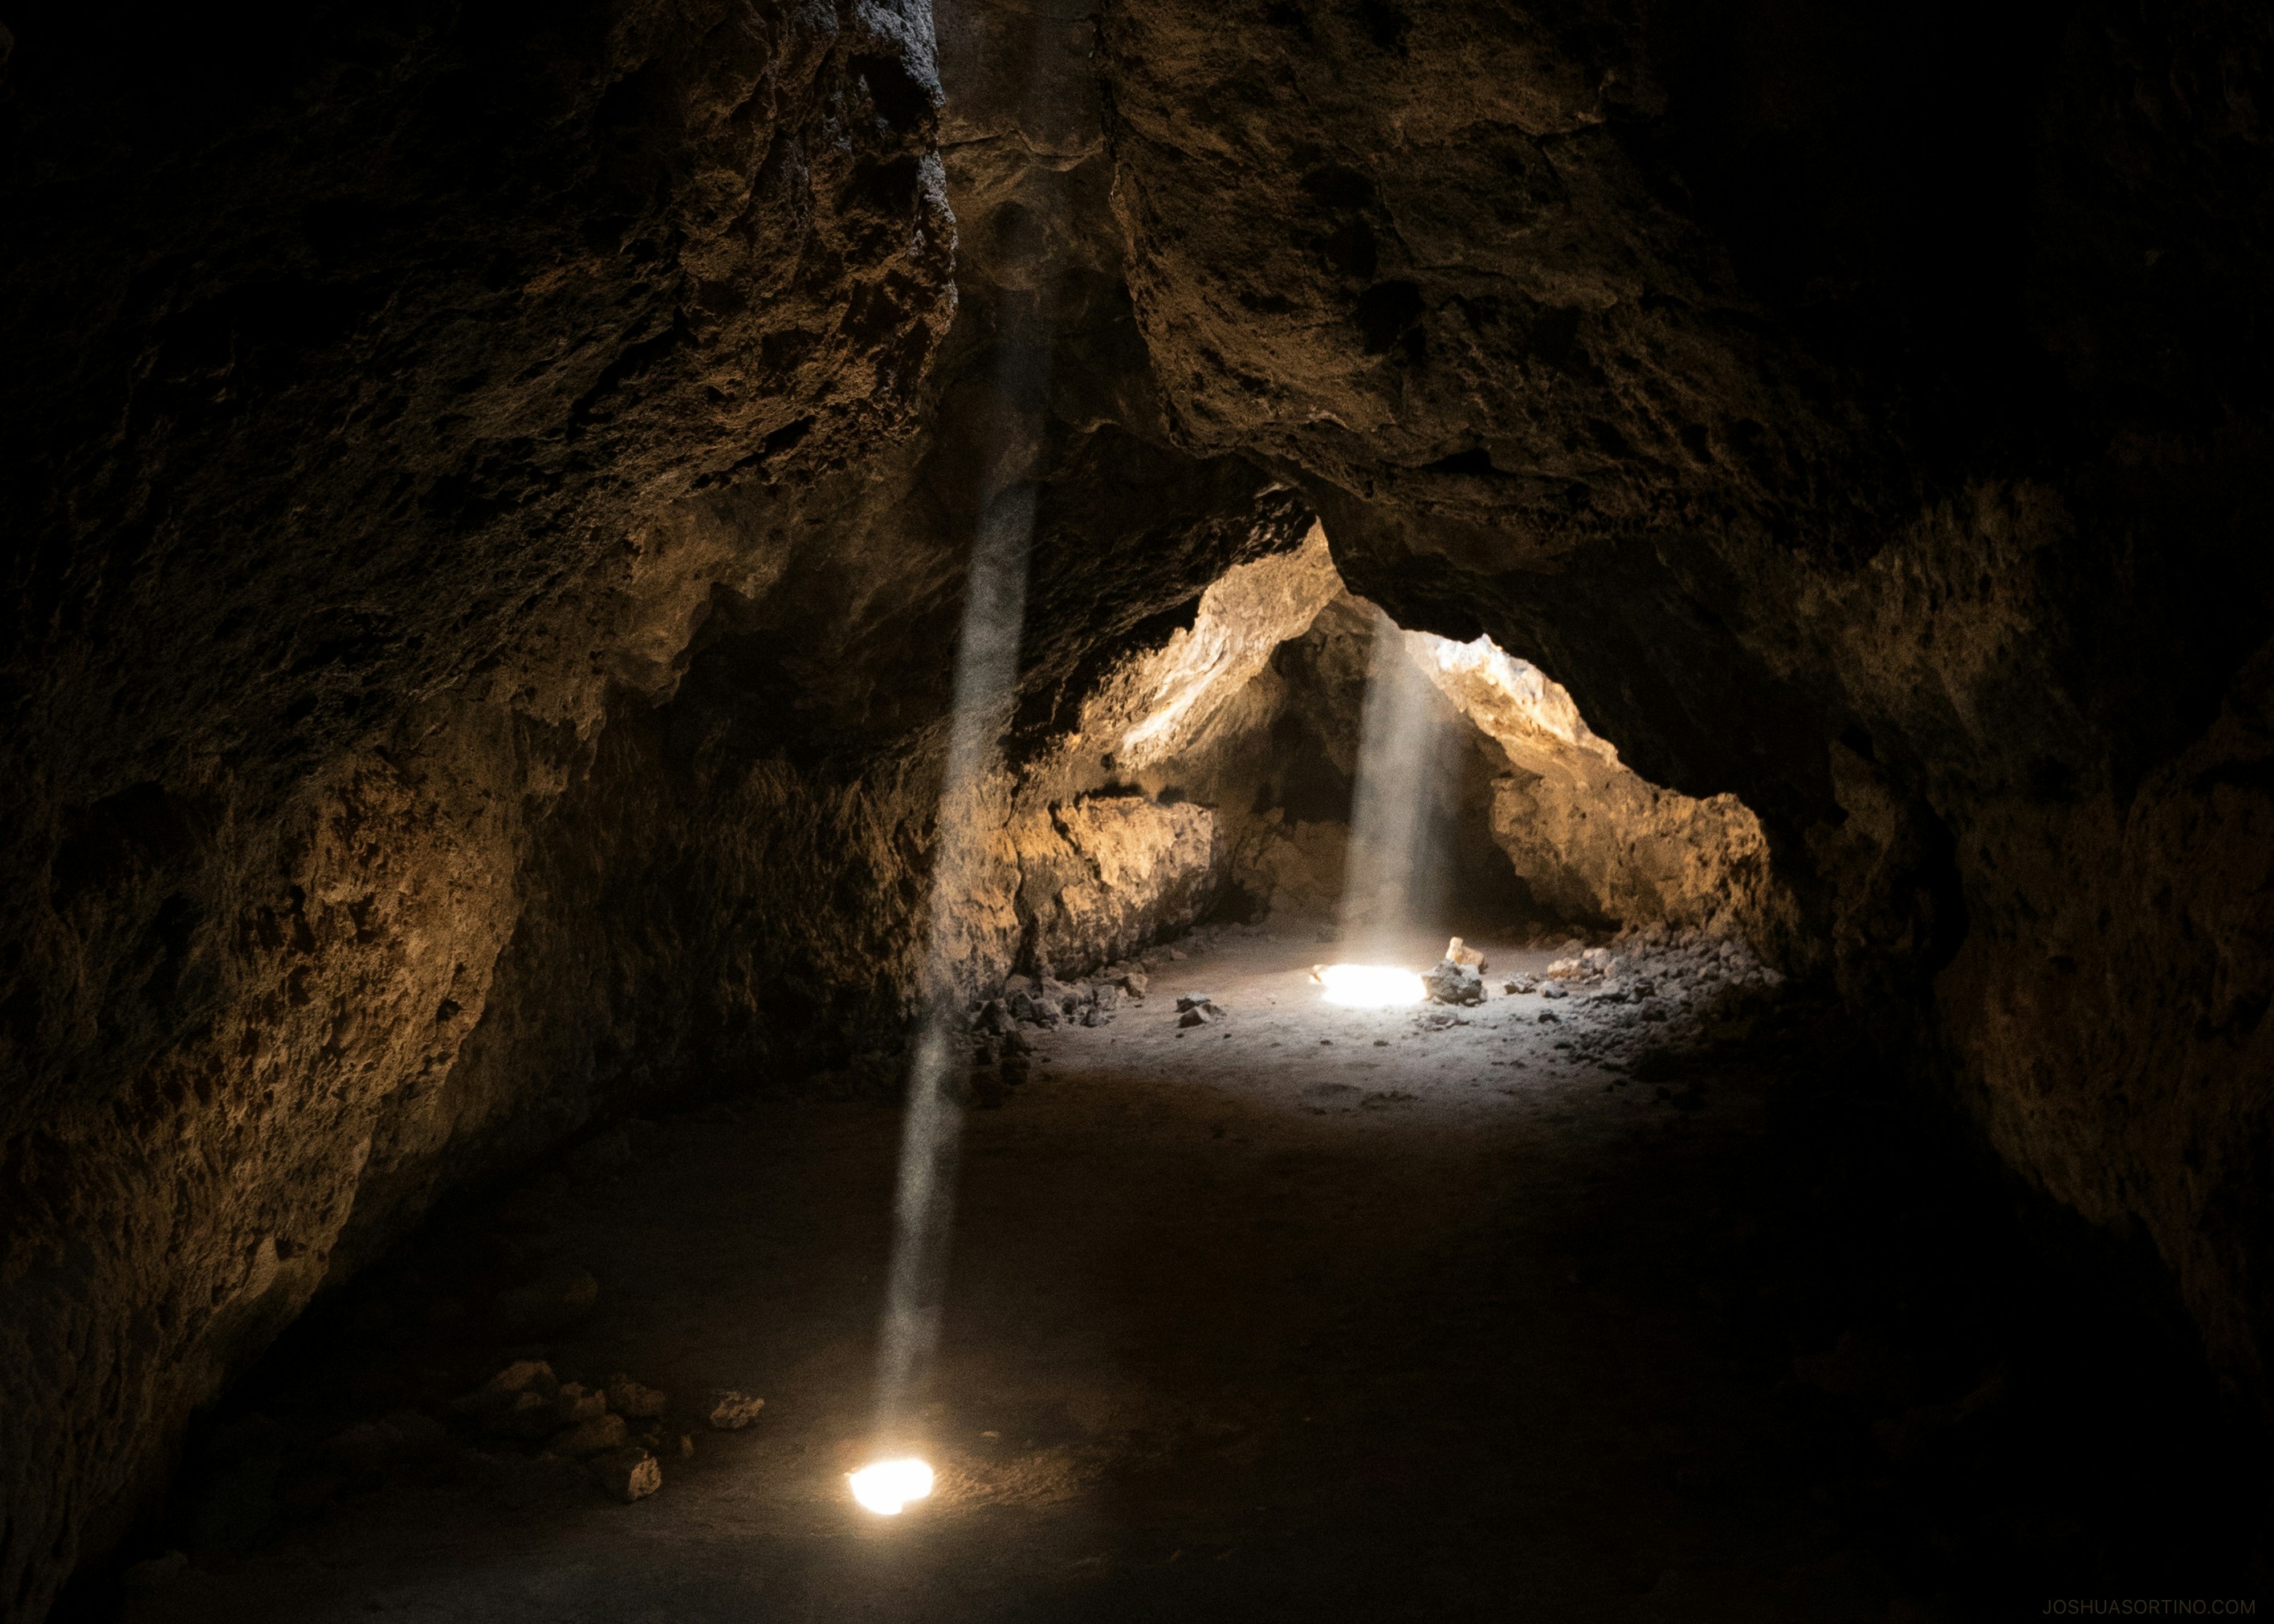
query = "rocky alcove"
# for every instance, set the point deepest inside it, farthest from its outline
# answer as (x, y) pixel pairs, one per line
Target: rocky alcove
(493, 493)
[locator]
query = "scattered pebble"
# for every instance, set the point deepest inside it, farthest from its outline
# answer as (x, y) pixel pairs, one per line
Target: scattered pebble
(589, 1437)
(629, 1398)
(732, 1410)
(627, 1473)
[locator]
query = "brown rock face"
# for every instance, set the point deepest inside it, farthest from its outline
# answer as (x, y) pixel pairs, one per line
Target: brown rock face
(490, 491)
(356, 368)
(1592, 840)
(1132, 870)
(1885, 456)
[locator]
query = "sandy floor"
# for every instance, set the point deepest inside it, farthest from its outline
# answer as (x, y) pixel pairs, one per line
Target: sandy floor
(1313, 1313)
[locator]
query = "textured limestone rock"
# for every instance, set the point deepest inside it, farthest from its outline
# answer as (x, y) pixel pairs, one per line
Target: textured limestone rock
(1139, 870)
(356, 366)
(1616, 335)
(1594, 842)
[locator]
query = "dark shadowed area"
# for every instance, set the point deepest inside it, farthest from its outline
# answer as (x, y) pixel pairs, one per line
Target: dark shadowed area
(491, 494)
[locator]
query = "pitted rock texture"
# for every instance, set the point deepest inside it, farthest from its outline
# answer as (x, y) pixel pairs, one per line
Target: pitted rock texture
(731, 888)
(493, 490)
(1116, 872)
(356, 367)
(1858, 410)
(1259, 711)
(1594, 842)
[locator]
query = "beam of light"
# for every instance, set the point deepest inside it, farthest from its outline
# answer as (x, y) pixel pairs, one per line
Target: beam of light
(986, 693)
(888, 1486)
(1395, 866)
(1370, 987)
(986, 681)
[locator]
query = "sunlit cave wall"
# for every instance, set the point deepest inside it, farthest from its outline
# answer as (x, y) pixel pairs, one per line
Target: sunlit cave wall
(728, 892)
(484, 647)
(1861, 410)
(1248, 726)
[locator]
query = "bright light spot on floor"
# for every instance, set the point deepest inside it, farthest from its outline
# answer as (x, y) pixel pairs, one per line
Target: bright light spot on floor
(1370, 987)
(888, 1486)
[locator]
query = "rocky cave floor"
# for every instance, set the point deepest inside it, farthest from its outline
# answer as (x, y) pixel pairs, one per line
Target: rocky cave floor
(1307, 1313)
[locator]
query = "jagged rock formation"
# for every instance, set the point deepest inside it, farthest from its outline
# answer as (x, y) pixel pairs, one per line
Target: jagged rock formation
(1614, 335)
(1267, 685)
(356, 368)
(1594, 841)
(490, 490)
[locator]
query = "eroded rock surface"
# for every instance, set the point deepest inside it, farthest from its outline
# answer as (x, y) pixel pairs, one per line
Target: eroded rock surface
(1594, 841)
(1616, 335)
(357, 367)
(493, 489)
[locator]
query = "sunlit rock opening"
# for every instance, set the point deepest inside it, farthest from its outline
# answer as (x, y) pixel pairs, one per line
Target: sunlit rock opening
(1228, 768)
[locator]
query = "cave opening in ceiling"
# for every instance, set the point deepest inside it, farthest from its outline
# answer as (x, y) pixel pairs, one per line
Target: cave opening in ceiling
(1295, 756)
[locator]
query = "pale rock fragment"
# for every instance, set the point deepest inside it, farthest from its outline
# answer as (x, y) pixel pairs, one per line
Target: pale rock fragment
(627, 1473)
(731, 1409)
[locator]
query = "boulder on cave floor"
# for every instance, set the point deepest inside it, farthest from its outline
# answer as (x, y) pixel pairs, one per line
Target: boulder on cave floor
(1449, 982)
(627, 1397)
(590, 1436)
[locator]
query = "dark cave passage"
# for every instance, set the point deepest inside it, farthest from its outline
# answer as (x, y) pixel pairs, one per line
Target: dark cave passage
(1751, 517)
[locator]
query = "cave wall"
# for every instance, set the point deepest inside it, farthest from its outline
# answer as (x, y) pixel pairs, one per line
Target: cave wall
(1594, 841)
(350, 355)
(492, 490)
(1247, 725)
(1860, 409)
(498, 487)
(729, 888)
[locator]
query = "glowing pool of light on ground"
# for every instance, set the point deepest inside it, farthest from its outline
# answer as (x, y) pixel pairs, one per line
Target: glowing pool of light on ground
(1370, 986)
(889, 1486)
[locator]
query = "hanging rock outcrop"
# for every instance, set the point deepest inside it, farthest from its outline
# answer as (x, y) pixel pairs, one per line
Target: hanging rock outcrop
(1594, 841)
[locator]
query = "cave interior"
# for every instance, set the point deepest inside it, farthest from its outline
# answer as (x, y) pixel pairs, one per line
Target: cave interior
(695, 696)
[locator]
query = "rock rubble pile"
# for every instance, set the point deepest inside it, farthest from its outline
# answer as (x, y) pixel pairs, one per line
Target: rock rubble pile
(1652, 978)
(615, 1431)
